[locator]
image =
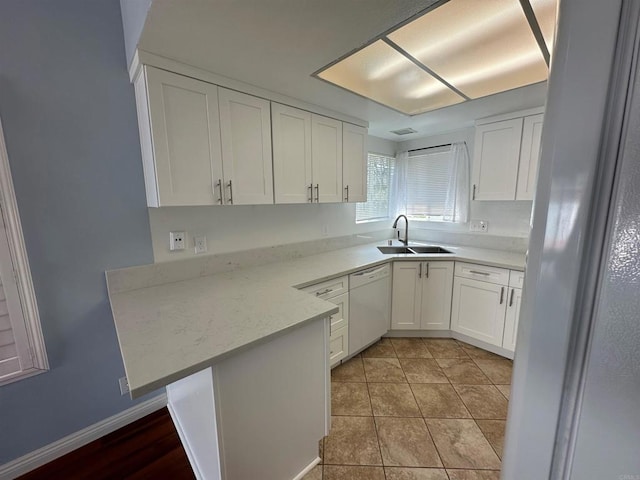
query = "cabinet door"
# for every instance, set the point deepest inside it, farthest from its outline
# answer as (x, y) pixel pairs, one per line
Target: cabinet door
(529, 156)
(185, 134)
(245, 126)
(495, 160)
(478, 309)
(326, 157)
(291, 154)
(406, 296)
(511, 319)
(338, 345)
(341, 319)
(354, 163)
(437, 289)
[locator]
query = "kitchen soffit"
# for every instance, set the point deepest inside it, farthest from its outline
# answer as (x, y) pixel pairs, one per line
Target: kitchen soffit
(457, 51)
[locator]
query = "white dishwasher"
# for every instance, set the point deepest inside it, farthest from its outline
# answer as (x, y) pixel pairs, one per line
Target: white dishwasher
(369, 306)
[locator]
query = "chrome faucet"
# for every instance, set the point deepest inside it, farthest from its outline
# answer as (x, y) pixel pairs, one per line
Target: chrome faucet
(406, 229)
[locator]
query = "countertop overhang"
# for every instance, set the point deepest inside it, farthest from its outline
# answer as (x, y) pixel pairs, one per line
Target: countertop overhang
(169, 331)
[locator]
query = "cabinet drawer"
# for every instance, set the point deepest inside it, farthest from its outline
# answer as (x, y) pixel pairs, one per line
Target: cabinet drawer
(499, 276)
(516, 279)
(338, 345)
(340, 319)
(330, 288)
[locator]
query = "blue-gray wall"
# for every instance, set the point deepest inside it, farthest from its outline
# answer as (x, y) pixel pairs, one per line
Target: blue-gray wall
(134, 14)
(68, 113)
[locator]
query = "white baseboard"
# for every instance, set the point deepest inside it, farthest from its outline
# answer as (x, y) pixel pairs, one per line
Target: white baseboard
(307, 469)
(61, 447)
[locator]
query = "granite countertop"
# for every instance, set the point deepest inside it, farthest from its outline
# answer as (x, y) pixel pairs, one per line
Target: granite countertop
(169, 331)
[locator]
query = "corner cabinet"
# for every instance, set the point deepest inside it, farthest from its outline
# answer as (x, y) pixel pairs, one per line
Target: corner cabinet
(421, 295)
(354, 162)
(202, 144)
(505, 158)
(486, 303)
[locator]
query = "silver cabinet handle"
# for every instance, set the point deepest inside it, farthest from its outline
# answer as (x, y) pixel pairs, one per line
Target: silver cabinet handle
(479, 273)
(325, 291)
(311, 192)
(346, 199)
(420, 271)
(427, 269)
(513, 290)
(474, 192)
(219, 185)
(501, 295)
(230, 192)
(317, 193)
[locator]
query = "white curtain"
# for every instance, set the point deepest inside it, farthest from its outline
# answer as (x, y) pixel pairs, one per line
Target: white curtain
(399, 190)
(456, 208)
(457, 202)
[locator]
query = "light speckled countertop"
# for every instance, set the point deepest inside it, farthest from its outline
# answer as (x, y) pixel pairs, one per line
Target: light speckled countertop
(169, 331)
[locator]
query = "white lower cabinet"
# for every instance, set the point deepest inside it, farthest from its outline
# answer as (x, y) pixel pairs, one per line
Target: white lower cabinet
(486, 303)
(335, 291)
(421, 295)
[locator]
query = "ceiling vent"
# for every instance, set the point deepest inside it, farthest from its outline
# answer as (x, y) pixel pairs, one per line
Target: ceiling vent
(404, 131)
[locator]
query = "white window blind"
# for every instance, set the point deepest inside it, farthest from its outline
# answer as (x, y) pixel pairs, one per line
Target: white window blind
(428, 180)
(380, 170)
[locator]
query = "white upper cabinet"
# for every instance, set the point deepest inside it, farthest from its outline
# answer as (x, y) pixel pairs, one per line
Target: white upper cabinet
(291, 154)
(245, 126)
(529, 156)
(180, 133)
(505, 159)
(326, 159)
(354, 163)
(495, 160)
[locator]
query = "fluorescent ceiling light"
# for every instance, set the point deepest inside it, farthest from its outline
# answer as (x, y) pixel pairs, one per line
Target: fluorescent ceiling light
(382, 74)
(461, 50)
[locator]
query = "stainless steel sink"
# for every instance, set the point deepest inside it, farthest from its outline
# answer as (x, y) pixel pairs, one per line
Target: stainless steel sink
(419, 249)
(428, 249)
(395, 250)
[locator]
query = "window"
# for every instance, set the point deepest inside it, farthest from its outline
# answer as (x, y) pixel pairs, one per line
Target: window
(428, 179)
(380, 171)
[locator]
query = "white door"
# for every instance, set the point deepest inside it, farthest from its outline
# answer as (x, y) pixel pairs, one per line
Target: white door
(245, 126)
(406, 295)
(495, 160)
(186, 138)
(478, 309)
(326, 155)
(511, 319)
(354, 163)
(291, 154)
(437, 290)
(529, 156)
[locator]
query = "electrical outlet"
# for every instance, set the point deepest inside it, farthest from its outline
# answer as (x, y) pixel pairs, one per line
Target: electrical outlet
(200, 244)
(481, 226)
(124, 385)
(176, 240)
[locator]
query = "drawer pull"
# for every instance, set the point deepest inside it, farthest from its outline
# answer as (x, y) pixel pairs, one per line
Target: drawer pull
(486, 274)
(324, 292)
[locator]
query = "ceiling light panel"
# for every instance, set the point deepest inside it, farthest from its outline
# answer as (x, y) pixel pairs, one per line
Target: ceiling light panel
(479, 47)
(546, 13)
(382, 74)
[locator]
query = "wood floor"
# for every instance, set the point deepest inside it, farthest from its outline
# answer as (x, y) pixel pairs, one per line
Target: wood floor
(146, 449)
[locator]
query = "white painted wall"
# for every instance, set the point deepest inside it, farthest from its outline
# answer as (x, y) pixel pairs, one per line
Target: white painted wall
(510, 219)
(241, 227)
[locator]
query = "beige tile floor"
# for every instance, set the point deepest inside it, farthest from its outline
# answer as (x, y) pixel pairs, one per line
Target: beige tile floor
(416, 409)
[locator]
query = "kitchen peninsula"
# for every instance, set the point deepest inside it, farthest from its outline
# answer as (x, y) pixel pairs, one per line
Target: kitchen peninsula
(243, 354)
